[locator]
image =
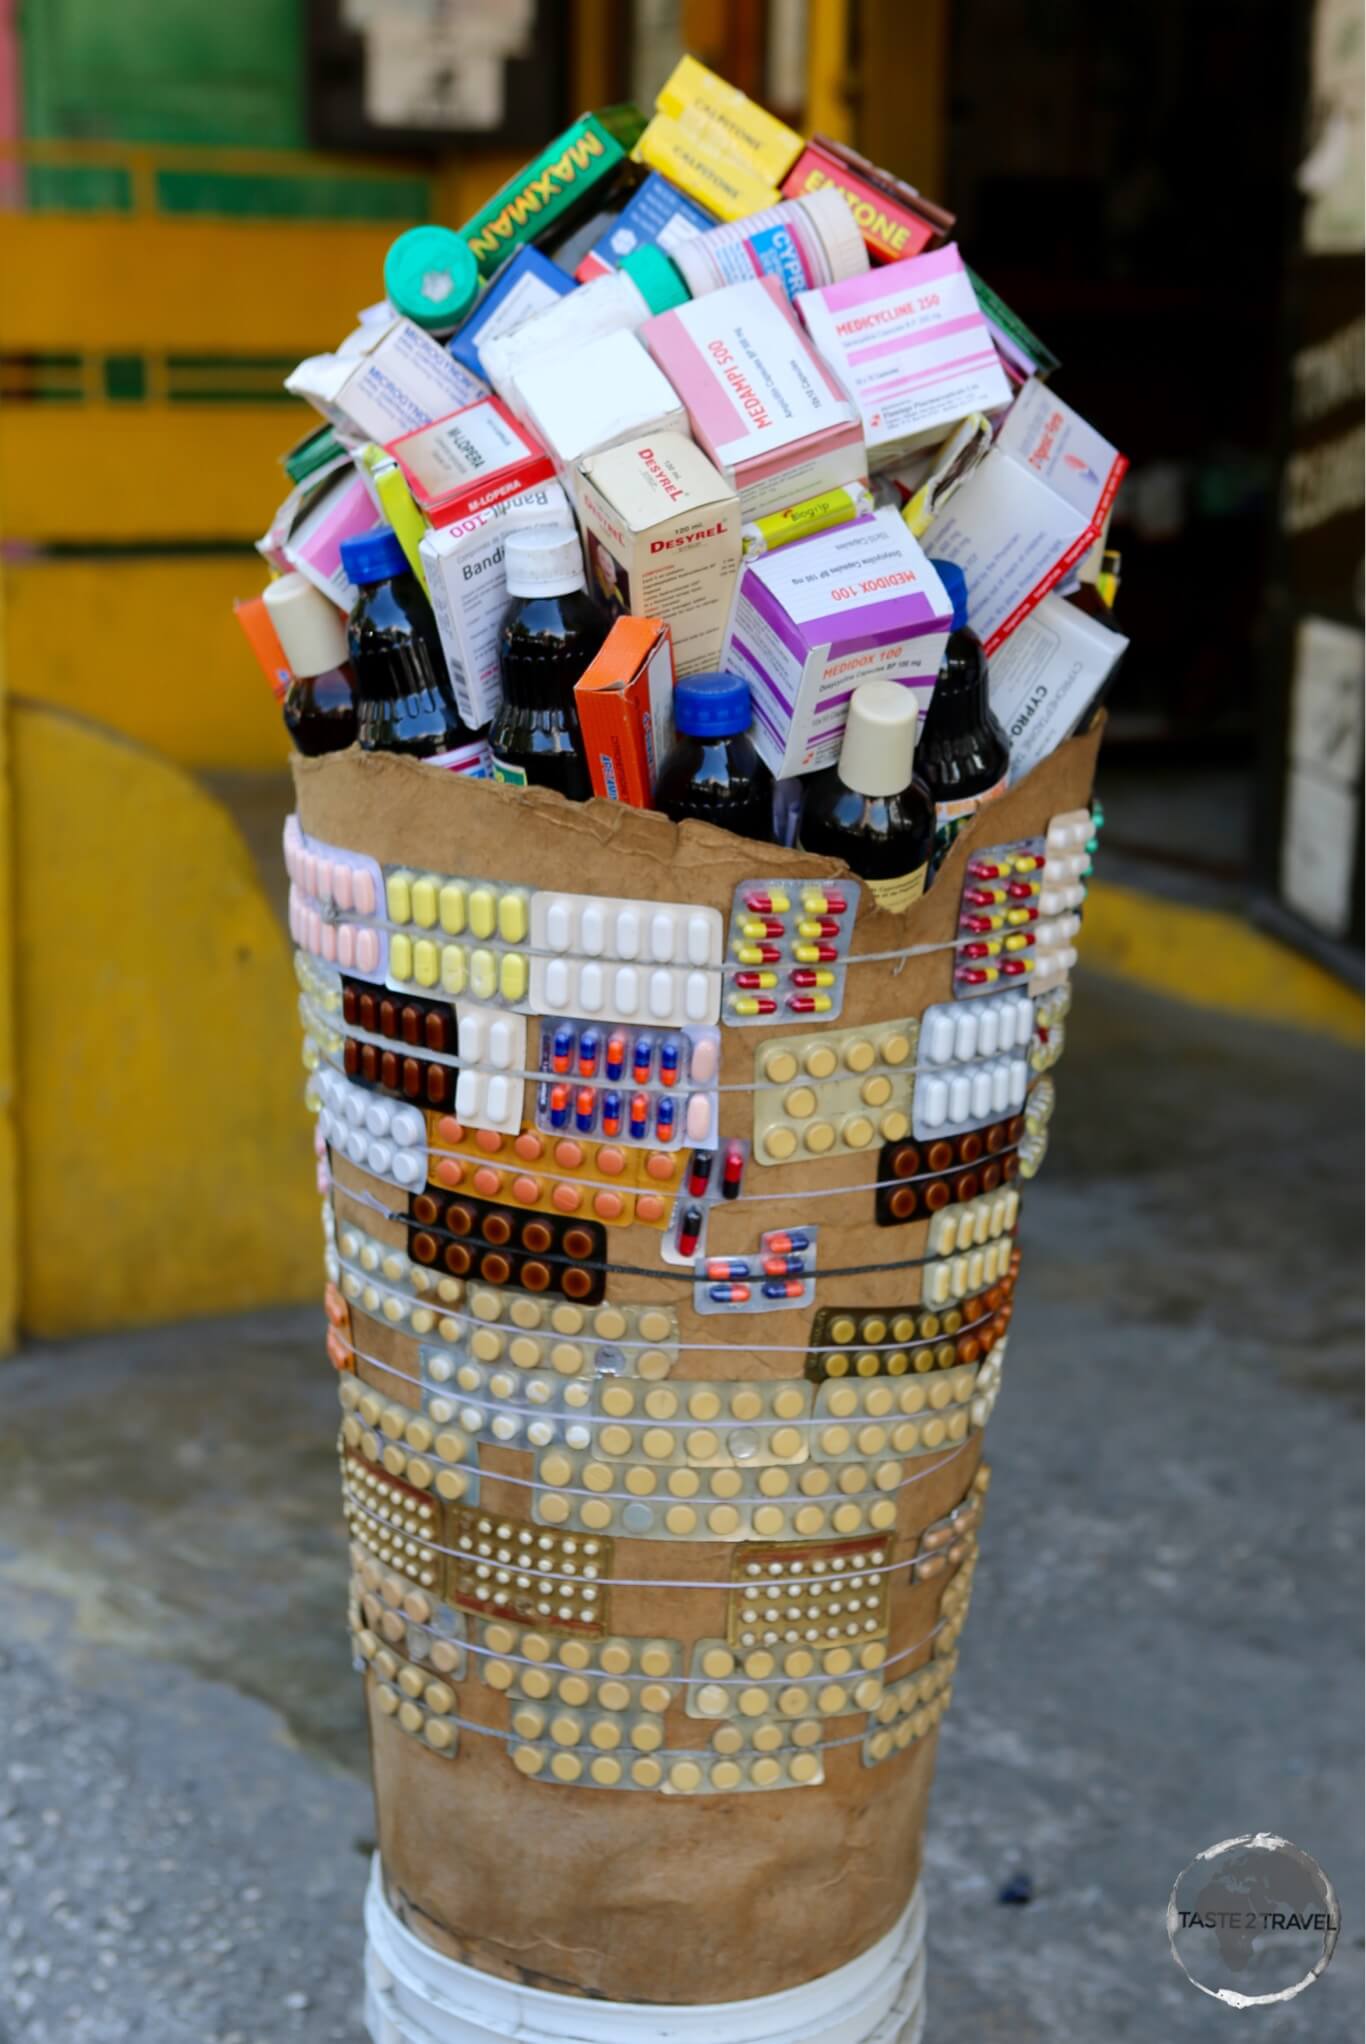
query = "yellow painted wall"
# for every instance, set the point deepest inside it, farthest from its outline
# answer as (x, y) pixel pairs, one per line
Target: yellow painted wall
(149, 648)
(165, 1167)
(103, 474)
(107, 283)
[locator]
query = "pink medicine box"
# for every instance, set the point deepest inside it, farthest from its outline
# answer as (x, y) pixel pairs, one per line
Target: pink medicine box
(762, 404)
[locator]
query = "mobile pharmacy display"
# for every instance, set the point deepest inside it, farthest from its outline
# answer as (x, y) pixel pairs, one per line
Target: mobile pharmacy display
(671, 1179)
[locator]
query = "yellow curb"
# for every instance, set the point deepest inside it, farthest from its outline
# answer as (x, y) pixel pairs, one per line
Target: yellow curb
(1215, 960)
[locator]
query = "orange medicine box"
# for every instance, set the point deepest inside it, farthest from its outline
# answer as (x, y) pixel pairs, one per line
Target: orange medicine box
(625, 706)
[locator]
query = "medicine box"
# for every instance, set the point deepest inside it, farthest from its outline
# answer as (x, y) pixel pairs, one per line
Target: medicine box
(662, 529)
(625, 706)
(764, 407)
(477, 457)
(817, 618)
(386, 378)
(891, 230)
(524, 286)
(727, 119)
(597, 398)
(909, 343)
(1046, 676)
(307, 531)
(467, 582)
(726, 186)
(1019, 347)
(654, 216)
(1035, 506)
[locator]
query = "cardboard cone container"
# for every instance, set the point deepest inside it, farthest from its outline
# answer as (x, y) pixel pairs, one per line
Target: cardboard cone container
(658, 1574)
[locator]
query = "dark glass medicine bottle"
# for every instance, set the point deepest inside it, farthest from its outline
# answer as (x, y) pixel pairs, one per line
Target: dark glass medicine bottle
(714, 771)
(870, 810)
(320, 704)
(403, 691)
(550, 634)
(963, 756)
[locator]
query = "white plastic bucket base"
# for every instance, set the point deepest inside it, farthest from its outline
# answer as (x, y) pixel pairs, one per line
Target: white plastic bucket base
(414, 1995)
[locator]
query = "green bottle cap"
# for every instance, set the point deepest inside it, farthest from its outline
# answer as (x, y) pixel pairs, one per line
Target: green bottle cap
(658, 281)
(431, 277)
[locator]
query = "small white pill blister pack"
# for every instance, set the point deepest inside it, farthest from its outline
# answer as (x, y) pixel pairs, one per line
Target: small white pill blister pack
(625, 961)
(973, 1063)
(385, 1137)
(490, 1089)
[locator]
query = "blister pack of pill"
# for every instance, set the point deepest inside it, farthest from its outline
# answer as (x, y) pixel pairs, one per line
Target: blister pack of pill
(341, 1350)
(669, 1773)
(613, 960)
(1069, 848)
(502, 1567)
(428, 1452)
(1019, 913)
(948, 1542)
(639, 1085)
(410, 1027)
(842, 1089)
(493, 1328)
(1050, 1027)
(458, 936)
(915, 1179)
(973, 1064)
(946, 1280)
(868, 1404)
(320, 1010)
(473, 1238)
(607, 1182)
(890, 1342)
(782, 1274)
(398, 1525)
(788, 944)
(910, 1710)
(430, 1632)
(383, 1137)
(491, 1091)
(592, 1493)
(420, 1702)
(998, 917)
(335, 902)
(747, 1678)
(839, 1588)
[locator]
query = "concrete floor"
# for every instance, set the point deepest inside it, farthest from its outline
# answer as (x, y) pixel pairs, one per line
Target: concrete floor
(1163, 1649)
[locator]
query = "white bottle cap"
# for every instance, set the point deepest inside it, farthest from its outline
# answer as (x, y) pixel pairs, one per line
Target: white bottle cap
(543, 560)
(831, 216)
(878, 750)
(311, 630)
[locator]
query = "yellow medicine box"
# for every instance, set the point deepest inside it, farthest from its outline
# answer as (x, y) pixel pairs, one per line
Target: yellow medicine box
(727, 123)
(718, 182)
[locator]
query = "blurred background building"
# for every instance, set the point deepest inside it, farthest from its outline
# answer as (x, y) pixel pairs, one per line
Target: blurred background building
(193, 197)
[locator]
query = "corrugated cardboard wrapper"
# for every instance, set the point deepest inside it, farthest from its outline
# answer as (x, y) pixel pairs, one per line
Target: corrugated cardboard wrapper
(637, 1894)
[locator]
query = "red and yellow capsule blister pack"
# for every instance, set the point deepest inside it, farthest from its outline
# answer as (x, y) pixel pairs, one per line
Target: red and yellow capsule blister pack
(786, 949)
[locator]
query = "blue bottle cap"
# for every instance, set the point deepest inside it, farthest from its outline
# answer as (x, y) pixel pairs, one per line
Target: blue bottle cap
(431, 277)
(955, 588)
(373, 556)
(711, 705)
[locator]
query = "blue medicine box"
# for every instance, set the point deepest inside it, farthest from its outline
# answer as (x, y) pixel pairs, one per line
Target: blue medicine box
(658, 212)
(526, 285)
